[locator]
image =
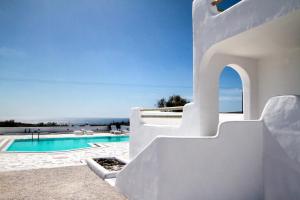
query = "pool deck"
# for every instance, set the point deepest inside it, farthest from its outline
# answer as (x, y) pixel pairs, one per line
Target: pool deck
(58, 183)
(12, 161)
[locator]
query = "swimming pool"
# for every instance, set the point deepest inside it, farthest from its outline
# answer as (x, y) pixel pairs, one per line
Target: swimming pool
(60, 144)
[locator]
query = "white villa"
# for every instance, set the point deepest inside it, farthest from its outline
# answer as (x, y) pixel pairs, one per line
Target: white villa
(190, 155)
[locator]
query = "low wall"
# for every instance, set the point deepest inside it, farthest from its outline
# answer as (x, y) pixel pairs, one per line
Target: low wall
(246, 160)
(199, 168)
(143, 133)
(21, 130)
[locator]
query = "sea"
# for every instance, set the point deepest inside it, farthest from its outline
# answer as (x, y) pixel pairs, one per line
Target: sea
(74, 120)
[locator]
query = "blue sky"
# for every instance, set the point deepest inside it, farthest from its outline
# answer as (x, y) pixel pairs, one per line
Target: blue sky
(96, 58)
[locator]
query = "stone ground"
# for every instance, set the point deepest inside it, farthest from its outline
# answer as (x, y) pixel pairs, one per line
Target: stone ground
(10, 161)
(77, 182)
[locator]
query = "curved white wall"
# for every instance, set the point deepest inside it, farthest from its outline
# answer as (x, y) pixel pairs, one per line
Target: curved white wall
(244, 161)
(247, 160)
(198, 168)
(208, 101)
(209, 30)
(279, 75)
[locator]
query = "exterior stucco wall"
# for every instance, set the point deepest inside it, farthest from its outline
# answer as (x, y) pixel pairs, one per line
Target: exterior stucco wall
(210, 29)
(200, 118)
(162, 121)
(177, 168)
(208, 95)
(245, 160)
(142, 134)
(281, 118)
(144, 185)
(278, 75)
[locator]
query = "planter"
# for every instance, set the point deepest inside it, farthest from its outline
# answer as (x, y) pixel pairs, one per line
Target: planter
(108, 167)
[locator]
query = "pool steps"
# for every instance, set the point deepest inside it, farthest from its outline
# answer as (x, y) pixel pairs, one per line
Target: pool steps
(4, 143)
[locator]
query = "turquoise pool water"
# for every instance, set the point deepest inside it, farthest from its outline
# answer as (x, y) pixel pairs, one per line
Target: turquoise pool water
(61, 144)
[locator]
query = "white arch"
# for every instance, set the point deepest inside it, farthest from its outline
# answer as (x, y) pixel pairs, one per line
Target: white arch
(206, 89)
(246, 87)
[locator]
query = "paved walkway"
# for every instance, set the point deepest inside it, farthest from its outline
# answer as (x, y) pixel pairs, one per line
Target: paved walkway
(59, 183)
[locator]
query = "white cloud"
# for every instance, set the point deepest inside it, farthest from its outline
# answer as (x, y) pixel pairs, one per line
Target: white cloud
(10, 52)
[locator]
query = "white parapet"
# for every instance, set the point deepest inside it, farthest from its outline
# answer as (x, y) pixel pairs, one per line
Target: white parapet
(198, 168)
(246, 160)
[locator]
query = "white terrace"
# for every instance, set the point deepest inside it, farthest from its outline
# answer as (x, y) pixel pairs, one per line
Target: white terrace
(189, 155)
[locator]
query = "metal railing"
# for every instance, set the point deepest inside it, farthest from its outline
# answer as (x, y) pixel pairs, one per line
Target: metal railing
(38, 134)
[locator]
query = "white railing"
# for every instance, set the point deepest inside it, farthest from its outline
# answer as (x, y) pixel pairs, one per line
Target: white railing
(166, 112)
(165, 109)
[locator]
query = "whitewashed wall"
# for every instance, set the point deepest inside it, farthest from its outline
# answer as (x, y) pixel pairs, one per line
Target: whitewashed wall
(219, 41)
(246, 160)
(231, 165)
(210, 30)
(220, 168)
(278, 75)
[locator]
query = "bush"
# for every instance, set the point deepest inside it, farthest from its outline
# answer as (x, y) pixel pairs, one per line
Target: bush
(173, 101)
